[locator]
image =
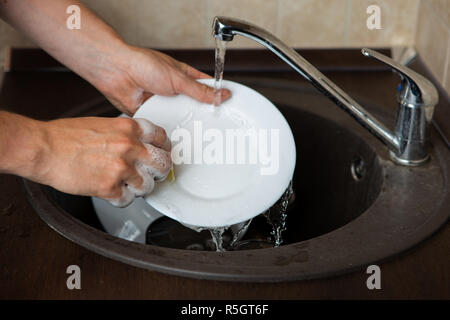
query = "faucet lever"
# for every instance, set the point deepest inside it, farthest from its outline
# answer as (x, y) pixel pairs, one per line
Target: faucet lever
(417, 98)
(416, 90)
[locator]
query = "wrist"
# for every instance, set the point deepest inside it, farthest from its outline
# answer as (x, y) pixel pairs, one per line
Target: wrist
(23, 145)
(113, 68)
(117, 79)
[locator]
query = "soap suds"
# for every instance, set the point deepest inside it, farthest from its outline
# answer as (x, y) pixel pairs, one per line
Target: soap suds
(147, 185)
(125, 199)
(153, 134)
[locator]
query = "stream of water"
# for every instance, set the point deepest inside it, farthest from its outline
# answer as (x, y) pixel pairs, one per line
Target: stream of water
(276, 215)
(221, 48)
(217, 237)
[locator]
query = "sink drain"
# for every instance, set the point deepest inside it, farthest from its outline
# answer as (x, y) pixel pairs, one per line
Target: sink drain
(358, 168)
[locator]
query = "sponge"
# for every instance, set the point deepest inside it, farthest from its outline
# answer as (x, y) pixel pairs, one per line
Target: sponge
(171, 175)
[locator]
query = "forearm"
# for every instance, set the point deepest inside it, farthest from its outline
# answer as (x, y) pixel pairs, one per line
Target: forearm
(125, 74)
(115, 159)
(94, 51)
(21, 144)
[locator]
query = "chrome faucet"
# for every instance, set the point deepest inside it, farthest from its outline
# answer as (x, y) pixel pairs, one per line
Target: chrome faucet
(409, 143)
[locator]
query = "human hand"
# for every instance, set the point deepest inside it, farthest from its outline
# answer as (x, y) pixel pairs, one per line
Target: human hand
(145, 72)
(114, 159)
(125, 74)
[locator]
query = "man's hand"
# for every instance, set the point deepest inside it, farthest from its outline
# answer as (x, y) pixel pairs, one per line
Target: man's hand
(144, 72)
(115, 159)
(125, 74)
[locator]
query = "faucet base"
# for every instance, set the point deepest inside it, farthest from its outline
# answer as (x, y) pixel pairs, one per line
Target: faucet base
(406, 162)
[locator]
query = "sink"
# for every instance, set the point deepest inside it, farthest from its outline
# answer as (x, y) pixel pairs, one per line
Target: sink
(353, 205)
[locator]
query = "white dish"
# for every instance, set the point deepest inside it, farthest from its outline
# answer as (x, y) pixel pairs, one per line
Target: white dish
(128, 223)
(216, 195)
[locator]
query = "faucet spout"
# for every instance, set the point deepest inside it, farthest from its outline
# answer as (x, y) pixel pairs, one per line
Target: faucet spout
(226, 28)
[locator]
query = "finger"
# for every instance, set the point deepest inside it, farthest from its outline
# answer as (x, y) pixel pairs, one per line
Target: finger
(141, 182)
(156, 162)
(124, 200)
(146, 96)
(199, 91)
(225, 94)
(150, 133)
(192, 72)
(119, 106)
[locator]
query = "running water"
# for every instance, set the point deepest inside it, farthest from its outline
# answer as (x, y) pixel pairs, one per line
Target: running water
(217, 237)
(221, 48)
(237, 232)
(276, 216)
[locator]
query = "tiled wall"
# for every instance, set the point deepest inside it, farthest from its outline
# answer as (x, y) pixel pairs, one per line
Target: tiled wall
(433, 38)
(301, 23)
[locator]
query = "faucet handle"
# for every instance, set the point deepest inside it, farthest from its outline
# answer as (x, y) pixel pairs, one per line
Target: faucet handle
(416, 90)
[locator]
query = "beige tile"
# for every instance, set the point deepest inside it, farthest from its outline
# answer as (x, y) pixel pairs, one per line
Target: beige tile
(432, 41)
(313, 23)
(262, 13)
(442, 8)
(398, 23)
(172, 23)
(119, 14)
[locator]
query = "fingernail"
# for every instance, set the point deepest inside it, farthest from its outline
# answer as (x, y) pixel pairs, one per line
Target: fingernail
(225, 93)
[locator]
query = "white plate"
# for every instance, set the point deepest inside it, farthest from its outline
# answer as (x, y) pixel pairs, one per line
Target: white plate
(215, 195)
(128, 223)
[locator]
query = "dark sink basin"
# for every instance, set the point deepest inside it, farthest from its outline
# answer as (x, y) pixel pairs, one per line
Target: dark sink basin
(353, 206)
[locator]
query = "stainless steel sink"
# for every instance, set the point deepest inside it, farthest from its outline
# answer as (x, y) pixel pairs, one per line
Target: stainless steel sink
(353, 206)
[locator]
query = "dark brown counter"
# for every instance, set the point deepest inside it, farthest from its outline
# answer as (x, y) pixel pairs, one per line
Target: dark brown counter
(34, 258)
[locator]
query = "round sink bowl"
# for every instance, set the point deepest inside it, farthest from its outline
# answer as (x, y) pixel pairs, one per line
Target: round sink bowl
(353, 206)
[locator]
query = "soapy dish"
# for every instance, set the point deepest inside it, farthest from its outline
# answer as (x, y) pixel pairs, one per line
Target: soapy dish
(219, 180)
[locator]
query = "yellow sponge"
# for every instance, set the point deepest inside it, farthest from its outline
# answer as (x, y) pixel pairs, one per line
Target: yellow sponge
(171, 175)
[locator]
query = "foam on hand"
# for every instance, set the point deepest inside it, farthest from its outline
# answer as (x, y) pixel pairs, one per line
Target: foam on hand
(147, 128)
(148, 182)
(125, 199)
(155, 168)
(151, 132)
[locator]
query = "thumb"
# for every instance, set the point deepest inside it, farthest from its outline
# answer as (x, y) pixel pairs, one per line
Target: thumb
(200, 91)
